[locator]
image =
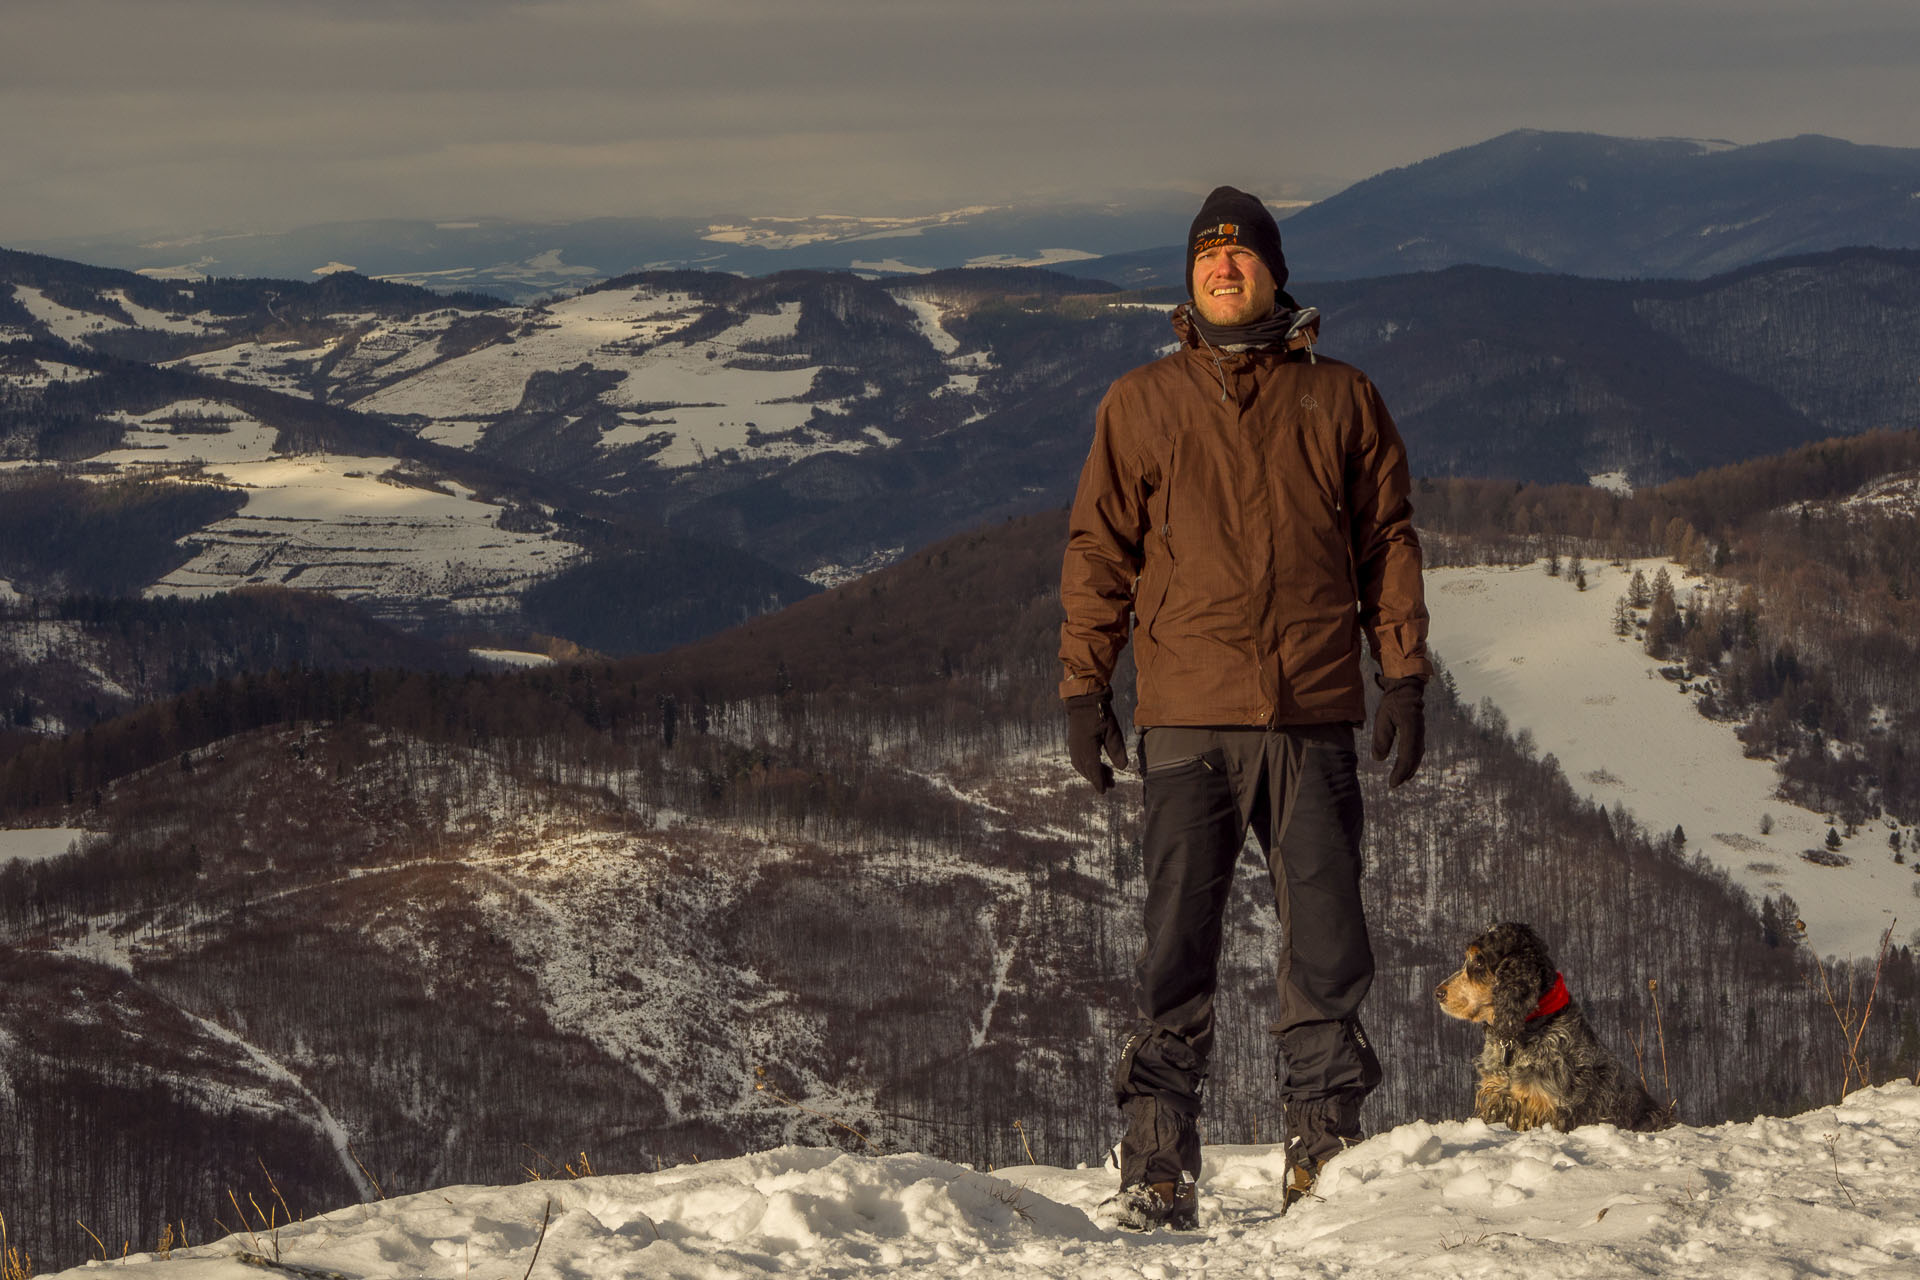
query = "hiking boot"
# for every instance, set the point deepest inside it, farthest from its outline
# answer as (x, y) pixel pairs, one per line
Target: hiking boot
(1317, 1130)
(1147, 1206)
(1300, 1180)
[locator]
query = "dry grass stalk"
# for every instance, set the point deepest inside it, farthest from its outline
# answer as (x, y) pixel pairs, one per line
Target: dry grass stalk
(15, 1264)
(275, 1188)
(1011, 1197)
(242, 1213)
(1666, 1076)
(576, 1169)
(1023, 1142)
(1853, 1071)
(1833, 1149)
(98, 1243)
(365, 1173)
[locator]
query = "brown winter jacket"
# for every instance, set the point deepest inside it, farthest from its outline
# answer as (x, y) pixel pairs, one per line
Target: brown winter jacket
(1250, 511)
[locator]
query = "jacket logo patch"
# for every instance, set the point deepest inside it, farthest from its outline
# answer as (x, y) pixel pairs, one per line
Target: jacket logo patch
(1308, 402)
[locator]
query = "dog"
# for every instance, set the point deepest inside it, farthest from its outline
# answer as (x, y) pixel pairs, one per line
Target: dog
(1542, 1064)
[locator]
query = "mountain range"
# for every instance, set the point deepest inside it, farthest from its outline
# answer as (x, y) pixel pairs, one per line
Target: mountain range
(1591, 205)
(667, 453)
(1529, 200)
(526, 261)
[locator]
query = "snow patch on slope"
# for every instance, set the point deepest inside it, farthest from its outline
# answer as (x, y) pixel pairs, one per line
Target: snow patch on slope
(36, 844)
(691, 399)
(63, 322)
(1545, 654)
(354, 528)
(38, 375)
(190, 431)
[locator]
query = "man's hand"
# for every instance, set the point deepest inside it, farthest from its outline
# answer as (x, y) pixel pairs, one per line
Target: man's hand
(1091, 727)
(1401, 717)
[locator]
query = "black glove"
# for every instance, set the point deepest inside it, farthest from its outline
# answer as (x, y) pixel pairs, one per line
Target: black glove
(1402, 717)
(1090, 727)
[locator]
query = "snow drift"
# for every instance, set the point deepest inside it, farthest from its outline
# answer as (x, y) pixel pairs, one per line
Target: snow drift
(1833, 1191)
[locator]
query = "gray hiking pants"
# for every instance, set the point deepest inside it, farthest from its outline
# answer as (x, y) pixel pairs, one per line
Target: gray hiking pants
(1298, 789)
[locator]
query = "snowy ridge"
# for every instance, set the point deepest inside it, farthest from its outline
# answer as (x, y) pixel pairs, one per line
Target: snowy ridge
(1889, 496)
(1833, 1191)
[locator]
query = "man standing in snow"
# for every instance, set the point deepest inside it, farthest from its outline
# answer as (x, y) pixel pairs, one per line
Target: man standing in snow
(1243, 518)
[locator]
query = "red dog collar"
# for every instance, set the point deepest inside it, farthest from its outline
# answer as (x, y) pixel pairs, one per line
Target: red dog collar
(1554, 1001)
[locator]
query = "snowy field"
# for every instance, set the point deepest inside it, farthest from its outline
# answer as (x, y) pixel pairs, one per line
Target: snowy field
(1546, 655)
(190, 431)
(1833, 1192)
(35, 844)
(336, 524)
(38, 375)
(512, 657)
(63, 322)
(709, 406)
(277, 366)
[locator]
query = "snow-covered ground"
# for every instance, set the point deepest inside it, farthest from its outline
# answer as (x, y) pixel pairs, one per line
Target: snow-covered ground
(929, 315)
(38, 375)
(191, 431)
(35, 844)
(1545, 653)
(277, 366)
(63, 322)
(1833, 1192)
(168, 322)
(342, 525)
(708, 406)
(1043, 258)
(1613, 482)
(513, 657)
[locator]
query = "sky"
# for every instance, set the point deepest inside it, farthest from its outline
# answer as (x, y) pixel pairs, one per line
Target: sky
(262, 115)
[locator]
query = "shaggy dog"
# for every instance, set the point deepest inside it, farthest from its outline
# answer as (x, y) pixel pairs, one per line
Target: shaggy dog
(1542, 1064)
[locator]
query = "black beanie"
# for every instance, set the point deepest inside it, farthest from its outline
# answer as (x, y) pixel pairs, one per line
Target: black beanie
(1231, 216)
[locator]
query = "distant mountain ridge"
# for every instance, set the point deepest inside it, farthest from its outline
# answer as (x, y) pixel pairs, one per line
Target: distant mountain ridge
(1528, 200)
(523, 261)
(1591, 205)
(642, 443)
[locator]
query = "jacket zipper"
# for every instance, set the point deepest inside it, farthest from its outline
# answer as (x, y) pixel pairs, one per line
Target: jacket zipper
(1219, 369)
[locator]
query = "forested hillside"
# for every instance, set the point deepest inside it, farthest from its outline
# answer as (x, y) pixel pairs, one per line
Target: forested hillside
(71, 663)
(824, 877)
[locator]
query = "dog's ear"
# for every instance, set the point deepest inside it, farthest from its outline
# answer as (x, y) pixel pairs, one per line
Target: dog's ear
(1519, 980)
(1511, 938)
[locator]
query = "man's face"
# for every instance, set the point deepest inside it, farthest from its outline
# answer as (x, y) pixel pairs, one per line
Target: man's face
(1231, 285)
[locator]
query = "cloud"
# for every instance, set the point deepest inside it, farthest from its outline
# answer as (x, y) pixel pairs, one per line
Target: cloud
(199, 112)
